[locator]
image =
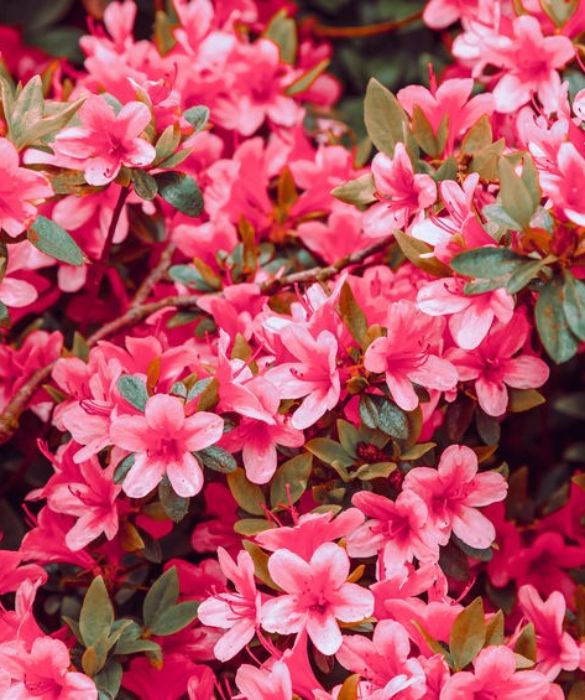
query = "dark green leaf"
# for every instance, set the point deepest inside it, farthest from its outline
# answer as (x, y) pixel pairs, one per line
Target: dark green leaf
(175, 618)
(352, 315)
(175, 506)
(123, 468)
(108, 680)
(197, 117)
(487, 263)
(160, 598)
(53, 240)
(516, 198)
(378, 412)
(180, 191)
(133, 389)
(552, 324)
(303, 83)
(467, 635)
(359, 192)
(144, 184)
(574, 304)
(217, 459)
(248, 496)
(386, 121)
(282, 30)
(290, 480)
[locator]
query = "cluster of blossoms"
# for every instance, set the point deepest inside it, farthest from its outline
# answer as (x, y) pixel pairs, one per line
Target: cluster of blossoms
(262, 405)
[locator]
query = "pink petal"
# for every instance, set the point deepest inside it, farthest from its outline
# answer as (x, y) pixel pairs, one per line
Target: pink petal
(185, 476)
(324, 633)
(144, 476)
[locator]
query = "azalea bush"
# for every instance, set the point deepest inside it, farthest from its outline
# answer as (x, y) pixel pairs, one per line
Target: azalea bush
(290, 387)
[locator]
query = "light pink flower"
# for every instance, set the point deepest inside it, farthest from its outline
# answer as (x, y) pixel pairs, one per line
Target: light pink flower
(470, 315)
(263, 684)
(105, 141)
(20, 190)
(163, 440)
(494, 675)
(384, 664)
(495, 365)
(401, 192)
(314, 377)
(400, 530)
(531, 63)
(556, 650)
(409, 355)
(452, 493)
(44, 672)
(316, 596)
(237, 612)
(562, 184)
(439, 14)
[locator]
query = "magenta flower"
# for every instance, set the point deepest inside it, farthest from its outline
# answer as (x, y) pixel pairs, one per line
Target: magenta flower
(316, 596)
(400, 530)
(314, 376)
(556, 650)
(401, 192)
(105, 141)
(408, 355)
(495, 365)
(452, 493)
(238, 612)
(495, 676)
(384, 663)
(531, 63)
(43, 672)
(20, 190)
(163, 440)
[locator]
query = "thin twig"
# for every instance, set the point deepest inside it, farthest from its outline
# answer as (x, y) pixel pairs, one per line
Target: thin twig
(136, 314)
(154, 276)
(360, 32)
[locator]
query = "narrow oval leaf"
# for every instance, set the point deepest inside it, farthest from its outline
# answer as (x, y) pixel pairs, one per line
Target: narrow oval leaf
(97, 614)
(161, 597)
(133, 389)
(180, 191)
(50, 238)
(552, 324)
(467, 634)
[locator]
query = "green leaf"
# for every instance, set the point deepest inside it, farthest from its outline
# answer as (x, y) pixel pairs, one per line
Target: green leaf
(467, 635)
(190, 277)
(352, 315)
(53, 240)
(494, 630)
(574, 304)
(4, 315)
(50, 124)
(303, 83)
(217, 459)
(487, 262)
(26, 111)
(295, 474)
(526, 643)
(282, 30)
(133, 389)
(252, 526)
(198, 117)
(378, 412)
(417, 252)
(123, 468)
(62, 42)
(248, 496)
(180, 191)
(515, 195)
(109, 679)
(559, 11)
(175, 618)
(144, 184)
(523, 275)
(137, 646)
(359, 192)
(478, 137)
(97, 614)
(160, 598)
(175, 506)
(367, 472)
(386, 121)
(330, 452)
(552, 324)
(167, 143)
(424, 134)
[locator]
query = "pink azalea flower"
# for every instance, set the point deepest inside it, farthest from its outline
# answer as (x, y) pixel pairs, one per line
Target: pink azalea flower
(262, 684)
(556, 650)
(453, 492)
(495, 365)
(218, 530)
(384, 663)
(494, 675)
(44, 672)
(16, 292)
(314, 377)
(561, 187)
(316, 596)
(401, 192)
(439, 14)
(238, 612)
(400, 530)
(470, 316)
(163, 440)
(310, 532)
(13, 572)
(531, 63)
(451, 100)
(260, 430)
(105, 141)
(20, 190)
(408, 355)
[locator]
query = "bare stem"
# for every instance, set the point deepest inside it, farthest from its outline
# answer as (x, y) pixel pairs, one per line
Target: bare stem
(359, 32)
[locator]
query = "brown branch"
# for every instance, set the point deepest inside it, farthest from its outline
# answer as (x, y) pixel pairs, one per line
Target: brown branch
(320, 274)
(154, 276)
(136, 314)
(360, 32)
